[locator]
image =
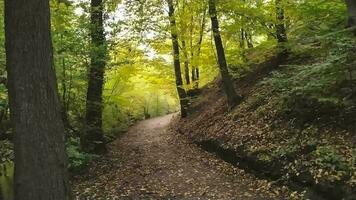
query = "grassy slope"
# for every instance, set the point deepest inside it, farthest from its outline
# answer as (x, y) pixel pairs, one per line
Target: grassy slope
(296, 124)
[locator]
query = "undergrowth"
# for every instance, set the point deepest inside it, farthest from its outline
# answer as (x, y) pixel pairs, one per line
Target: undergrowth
(78, 160)
(299, 121)
(310, 103)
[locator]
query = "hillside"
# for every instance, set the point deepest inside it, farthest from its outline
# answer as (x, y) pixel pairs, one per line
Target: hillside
(296, 124)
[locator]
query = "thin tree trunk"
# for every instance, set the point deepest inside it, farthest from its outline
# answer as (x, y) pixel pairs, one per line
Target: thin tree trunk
(175, 45)
(195, 69)
(197, 73)
(185, 51)
(193, 75)
(248, 38)
(186, 63)
(93, 140)
(280, 25)
(351, 10)
(281, 32)
(64, 111)
(232, 98)
(242, 39)
(191, 35)
(69, 96)
(242, 43)
(41, 161)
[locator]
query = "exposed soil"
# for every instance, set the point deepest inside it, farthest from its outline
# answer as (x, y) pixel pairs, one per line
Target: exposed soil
(153, 162)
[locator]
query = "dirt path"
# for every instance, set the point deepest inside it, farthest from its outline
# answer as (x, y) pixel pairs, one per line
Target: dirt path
(151, 162)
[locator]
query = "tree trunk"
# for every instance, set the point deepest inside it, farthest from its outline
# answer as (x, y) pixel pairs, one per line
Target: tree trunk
(93, 140)
(186, 63)
(242, 45)
(242, 39)
(351, 9)
(179, 82)
(41, 161)
(248, 37)
(193, 75)
(232, 98)
(281, 33)
(195, 69)
(64, 107)
(280, 25)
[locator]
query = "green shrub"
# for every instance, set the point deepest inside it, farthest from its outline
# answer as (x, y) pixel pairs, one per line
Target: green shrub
(329, 157)
(78, 159)
(6, 152)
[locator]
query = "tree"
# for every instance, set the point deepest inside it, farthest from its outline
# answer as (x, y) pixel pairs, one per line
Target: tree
(351, 9)
(183, 37)
(280, 25)
(232, 97)
(186, 63)
(93, 140)
(281, 32)
(175, 46)
(41, 162)
(195, 69)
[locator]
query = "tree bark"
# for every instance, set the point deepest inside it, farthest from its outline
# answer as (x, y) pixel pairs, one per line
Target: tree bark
(175, 46)
(248, 37)
(193, 75)
(195, 69)
(351, 10)
(186, 63)
(281, 33)
(64, 107)
(242, 39)
(232, 98)
(280, 25)
(41, 161)
(93, 140)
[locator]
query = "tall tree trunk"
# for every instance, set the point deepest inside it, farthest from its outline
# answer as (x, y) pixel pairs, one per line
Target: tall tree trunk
(242, 45)
(41, 161)
(195, 69)
(242, 39)
(186, 63)
(93, 140)
(175, 45)
(248, 37)
(193, 76)
(280, 25)
(281, 32)
(64, 106)
(232, 98)
(351, 10)
(185, 48)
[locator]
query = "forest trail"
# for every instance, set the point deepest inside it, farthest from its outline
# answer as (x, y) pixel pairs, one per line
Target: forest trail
(152, 162)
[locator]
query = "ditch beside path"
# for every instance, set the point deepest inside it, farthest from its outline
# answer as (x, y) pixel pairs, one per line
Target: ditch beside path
(152, 162)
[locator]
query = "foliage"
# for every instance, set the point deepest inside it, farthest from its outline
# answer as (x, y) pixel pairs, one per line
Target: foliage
(137, 87)
(324, 86)
(317, 80)
(71, 56)
(78, 159)
(6, 152)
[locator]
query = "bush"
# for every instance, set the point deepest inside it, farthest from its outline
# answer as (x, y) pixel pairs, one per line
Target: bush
(78, 159)
(6, 152)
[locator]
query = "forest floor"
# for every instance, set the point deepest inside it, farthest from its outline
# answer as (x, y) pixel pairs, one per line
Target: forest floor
(152, 162)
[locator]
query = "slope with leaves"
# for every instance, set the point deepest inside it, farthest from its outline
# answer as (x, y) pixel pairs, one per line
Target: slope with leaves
(296, 124)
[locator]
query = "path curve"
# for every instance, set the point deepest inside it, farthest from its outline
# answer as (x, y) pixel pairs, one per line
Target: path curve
(152, 162)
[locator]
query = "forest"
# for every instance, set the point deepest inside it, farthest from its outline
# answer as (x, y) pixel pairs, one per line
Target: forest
(177, 99)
